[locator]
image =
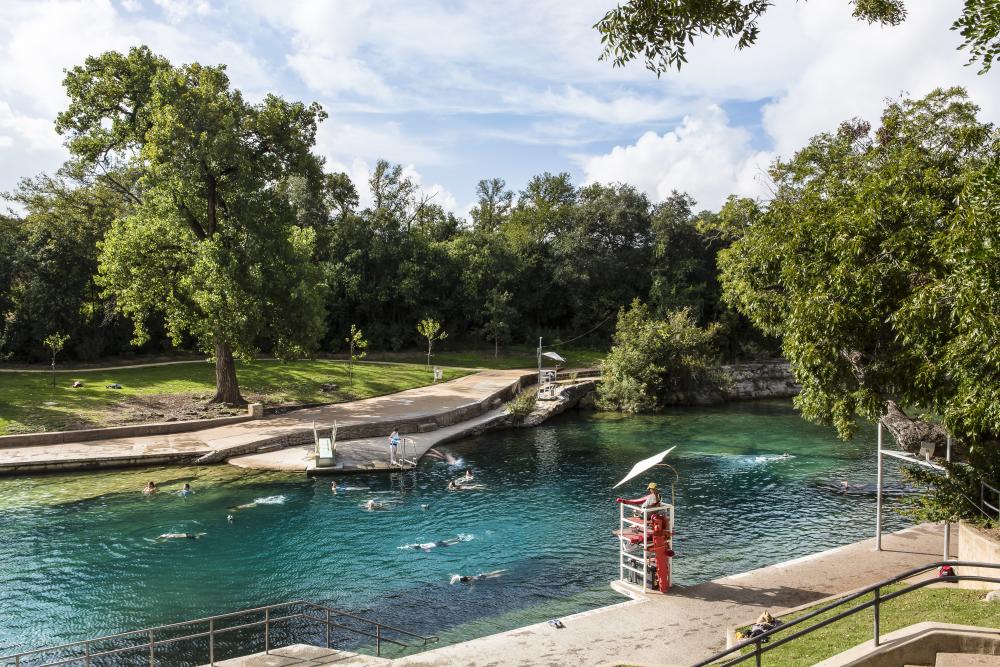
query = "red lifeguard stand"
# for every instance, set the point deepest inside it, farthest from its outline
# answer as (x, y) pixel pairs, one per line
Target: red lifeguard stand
(645, 536)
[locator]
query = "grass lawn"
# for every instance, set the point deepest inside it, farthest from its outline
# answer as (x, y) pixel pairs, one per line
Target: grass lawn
(512, 357)
(944, 605)
(29, 402)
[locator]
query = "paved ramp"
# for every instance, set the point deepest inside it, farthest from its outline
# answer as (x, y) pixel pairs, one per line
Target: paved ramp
(466, 397)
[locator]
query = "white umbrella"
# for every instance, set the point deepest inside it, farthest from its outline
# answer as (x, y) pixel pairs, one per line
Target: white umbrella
(644, 465)
(554, 356)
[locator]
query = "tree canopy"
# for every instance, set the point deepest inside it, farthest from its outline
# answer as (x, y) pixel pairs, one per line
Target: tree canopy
(209, 240)
(658, 32)
(876, 265)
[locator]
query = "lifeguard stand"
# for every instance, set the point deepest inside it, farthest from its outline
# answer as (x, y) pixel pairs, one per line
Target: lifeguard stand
(646, 547)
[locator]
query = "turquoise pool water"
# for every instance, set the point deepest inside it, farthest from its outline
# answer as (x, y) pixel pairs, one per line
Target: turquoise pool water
(77, 557)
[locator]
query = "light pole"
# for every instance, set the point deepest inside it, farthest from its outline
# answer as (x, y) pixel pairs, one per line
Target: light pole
(539, 361)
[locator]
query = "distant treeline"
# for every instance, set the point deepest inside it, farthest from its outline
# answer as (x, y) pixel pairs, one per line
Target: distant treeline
(554, 260)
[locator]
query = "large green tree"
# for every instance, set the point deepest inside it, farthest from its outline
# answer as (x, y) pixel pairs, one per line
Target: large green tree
(658, 32)
(210, 240)
(876, 265)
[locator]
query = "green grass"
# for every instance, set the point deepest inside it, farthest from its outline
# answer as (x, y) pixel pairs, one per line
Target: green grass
(28, 401)
(513, 357)
(944, 605)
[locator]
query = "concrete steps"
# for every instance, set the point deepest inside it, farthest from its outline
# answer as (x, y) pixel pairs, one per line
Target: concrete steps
(303, 655)
(966, 660)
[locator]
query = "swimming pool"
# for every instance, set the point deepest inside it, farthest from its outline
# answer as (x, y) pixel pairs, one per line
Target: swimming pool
(78, 556)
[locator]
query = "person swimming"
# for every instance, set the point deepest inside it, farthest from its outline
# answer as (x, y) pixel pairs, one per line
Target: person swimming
(333, 487)
(468, 475)
(150, 489)
(186, 491)
(372, 505)
(456, 486)
(178, 536)
(468, 578)
(244, 506)
(427, 546)
(230, 518)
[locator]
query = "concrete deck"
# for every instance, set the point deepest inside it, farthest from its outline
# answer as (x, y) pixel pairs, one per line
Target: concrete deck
(365, 454)
(690, 623)
(464, 398)
(304, 656)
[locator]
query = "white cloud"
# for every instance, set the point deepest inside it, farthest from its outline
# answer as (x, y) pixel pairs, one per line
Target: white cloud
(341, 141)
(332, 75)
(853, 69)
(178, 10)
(705, 157)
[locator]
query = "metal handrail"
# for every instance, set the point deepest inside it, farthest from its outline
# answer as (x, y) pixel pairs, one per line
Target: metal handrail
(151, 641)
(761, 643)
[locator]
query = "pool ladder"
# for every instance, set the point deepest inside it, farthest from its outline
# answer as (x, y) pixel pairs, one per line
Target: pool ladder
(146, 641)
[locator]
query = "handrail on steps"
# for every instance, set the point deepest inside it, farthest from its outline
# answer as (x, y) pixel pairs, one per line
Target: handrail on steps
(761, 643)
(84, 654)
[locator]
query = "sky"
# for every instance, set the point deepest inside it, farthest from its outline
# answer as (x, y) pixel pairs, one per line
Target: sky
(457, 91)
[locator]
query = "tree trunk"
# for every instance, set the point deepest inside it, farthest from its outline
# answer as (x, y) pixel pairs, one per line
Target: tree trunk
(910, 433)
(227, 389)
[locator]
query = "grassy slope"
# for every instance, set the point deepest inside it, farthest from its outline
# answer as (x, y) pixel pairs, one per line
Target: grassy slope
(23, 396)
(515, 357)
(944, 605)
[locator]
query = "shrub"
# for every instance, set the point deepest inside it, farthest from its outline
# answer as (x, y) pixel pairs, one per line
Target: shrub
(521, 405)
(656, 362)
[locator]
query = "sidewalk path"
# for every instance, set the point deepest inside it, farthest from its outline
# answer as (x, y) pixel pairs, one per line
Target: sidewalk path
(364, 454)
(690, 622)
(292, 428)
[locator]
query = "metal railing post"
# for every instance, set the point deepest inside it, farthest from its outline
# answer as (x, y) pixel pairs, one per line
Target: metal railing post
(878, 493)
(267, 630)
(86, 654)
(757, 652)
(211, 642)
(378, 640)
(328, 627)
(878, 595)
(152, 649)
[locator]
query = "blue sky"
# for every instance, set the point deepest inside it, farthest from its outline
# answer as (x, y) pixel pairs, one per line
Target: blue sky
(459, 91)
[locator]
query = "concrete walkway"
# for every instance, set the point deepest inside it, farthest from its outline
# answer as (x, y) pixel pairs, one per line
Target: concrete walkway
(690, 622)
(464, 398)
(367, 454)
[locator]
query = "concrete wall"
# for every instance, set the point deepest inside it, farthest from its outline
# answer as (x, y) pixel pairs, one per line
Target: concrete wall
(765, 379)
(137, 430)
(975, 545)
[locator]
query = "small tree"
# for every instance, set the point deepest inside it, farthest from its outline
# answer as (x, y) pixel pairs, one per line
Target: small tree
(430, 329)
(657, 362)
(499, 313)
(358, 346)
(55, 343)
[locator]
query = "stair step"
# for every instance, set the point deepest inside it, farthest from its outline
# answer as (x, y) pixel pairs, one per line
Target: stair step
(966, 660)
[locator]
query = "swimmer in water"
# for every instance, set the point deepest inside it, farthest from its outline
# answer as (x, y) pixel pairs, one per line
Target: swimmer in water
(333, 487)
(452, 486)
(230, 518)
(244, 506)
(150, 489)
(371, 505)
(468, 578)
(427, 546)
(179, 536)
(468, 475)
(186, 491)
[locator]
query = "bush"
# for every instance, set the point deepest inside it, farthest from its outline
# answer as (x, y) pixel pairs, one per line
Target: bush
(655, 362)
(521, 405)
